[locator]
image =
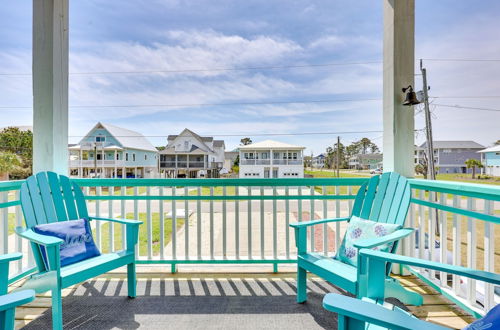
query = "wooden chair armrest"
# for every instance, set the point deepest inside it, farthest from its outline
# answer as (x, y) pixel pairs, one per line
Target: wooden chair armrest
(372, 313)
(10, 257)
(44, 240)
(12, 300)
(480, 275)
(373, 242)
(316, 222)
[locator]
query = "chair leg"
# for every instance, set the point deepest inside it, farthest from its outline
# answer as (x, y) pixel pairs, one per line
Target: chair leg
(7, 319)
(131, 280)
(57, 316)
(301, 285)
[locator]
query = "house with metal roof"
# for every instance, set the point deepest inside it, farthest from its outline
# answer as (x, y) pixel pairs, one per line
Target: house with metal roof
(271, 159)
(490, 157)
(109, 151)
(189, 155)
(319, 161)
(450, 156)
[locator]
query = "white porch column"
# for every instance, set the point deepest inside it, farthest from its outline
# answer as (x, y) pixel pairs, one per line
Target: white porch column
(116, 164)
(50, 86)
(399, 62)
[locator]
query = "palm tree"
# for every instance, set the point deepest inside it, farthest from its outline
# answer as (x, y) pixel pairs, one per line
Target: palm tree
(472, 163)
(8, 163)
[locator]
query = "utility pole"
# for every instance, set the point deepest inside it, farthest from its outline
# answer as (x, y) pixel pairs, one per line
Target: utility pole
(338, 156)
(428, 126)
(95, 160)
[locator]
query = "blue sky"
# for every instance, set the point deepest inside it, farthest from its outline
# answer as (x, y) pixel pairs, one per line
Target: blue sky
(118, 36)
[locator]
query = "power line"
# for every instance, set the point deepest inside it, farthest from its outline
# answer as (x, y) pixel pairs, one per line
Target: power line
(249, 134)
(461, 59)
(157, 71)
(467, 97)
(465, 107)
(201, 104)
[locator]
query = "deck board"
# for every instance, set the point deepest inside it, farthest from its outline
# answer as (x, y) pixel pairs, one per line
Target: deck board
(436, 308)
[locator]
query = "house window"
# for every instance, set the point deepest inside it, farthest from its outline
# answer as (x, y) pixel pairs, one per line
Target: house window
(186, 145)
(99, 156)
(117, 156)
(294, 155)
(133, 157)
(100, 138)
(265, 155)
(126, 156)
(145, 157)
(276, 155)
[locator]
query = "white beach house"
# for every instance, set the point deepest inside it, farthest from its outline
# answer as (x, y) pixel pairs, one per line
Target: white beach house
(271, 159)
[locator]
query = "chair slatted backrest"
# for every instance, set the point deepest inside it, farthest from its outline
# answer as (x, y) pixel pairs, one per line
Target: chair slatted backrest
(48, 197)
(384, 198)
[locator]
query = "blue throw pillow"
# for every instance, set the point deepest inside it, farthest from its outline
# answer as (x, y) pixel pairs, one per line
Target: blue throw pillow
(490, 321)
(359, 229)
(78, 242)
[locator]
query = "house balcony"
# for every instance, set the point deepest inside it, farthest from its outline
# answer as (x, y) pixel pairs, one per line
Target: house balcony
(229, 244)
(269, 162)
(190, 164)
(97, 163)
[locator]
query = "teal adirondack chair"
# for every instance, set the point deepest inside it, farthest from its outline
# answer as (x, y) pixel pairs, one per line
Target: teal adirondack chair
(48, 197)
(368, 313)
(9, 302)
(384, 198)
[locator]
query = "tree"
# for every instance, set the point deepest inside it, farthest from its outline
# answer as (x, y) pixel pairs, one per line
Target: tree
(331, 156)
(8, 163)
(20, 143)
(472, 163)
(246, 141)
(365, 143)
(497, 143)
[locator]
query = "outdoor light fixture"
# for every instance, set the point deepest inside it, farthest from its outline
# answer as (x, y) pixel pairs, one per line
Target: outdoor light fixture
(411, 97)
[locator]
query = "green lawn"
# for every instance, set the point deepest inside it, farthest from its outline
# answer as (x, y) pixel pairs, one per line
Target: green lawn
(332, 174)
(143, 233)
(464, 178)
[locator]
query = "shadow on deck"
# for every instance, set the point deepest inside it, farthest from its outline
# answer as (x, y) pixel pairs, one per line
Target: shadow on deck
(209, 301)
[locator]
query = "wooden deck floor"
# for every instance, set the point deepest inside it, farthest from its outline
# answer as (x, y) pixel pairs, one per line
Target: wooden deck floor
(436, 308)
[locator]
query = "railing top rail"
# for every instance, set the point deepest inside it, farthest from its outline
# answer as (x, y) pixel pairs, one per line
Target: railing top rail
(222, 182)
(10, 185)
(483, 191)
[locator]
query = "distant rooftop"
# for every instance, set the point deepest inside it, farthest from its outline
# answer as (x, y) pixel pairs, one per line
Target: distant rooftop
(270, 144)
(454, 145)
(491, 149)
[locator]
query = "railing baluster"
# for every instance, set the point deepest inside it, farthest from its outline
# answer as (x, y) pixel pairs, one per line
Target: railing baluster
(237, 222)
(457, 244)
(287, 223)
(410, 241)
(4, 232)
(111, 231)
(262, 228)
(98, 214)
(421, 229)
(149, 223)
(123, 215)
(162, 224)
(349, 202)
(489, 253)
(212, 224)
(249, 223)
(19, 241)
(275, 224)
(224, 223)
(198, 223)
(174, 224)
(443, 236)
(325, 225)
(471, 250)
(311, 217)
(136, 216)
(432, 232)
(186, 224)
(299, 207)
(337, 224)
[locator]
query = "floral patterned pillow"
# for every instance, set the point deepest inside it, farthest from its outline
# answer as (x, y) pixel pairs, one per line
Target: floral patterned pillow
(359, 229)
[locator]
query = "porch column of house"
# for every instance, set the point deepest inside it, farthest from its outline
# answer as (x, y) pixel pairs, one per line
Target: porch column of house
(116, 164)
(80, 168)
(50, 86)
(103, 156)
(135, 172)
(398, 72)
(124, 173)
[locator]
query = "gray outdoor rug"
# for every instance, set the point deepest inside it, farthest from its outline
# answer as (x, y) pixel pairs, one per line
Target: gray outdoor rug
(241, 303)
